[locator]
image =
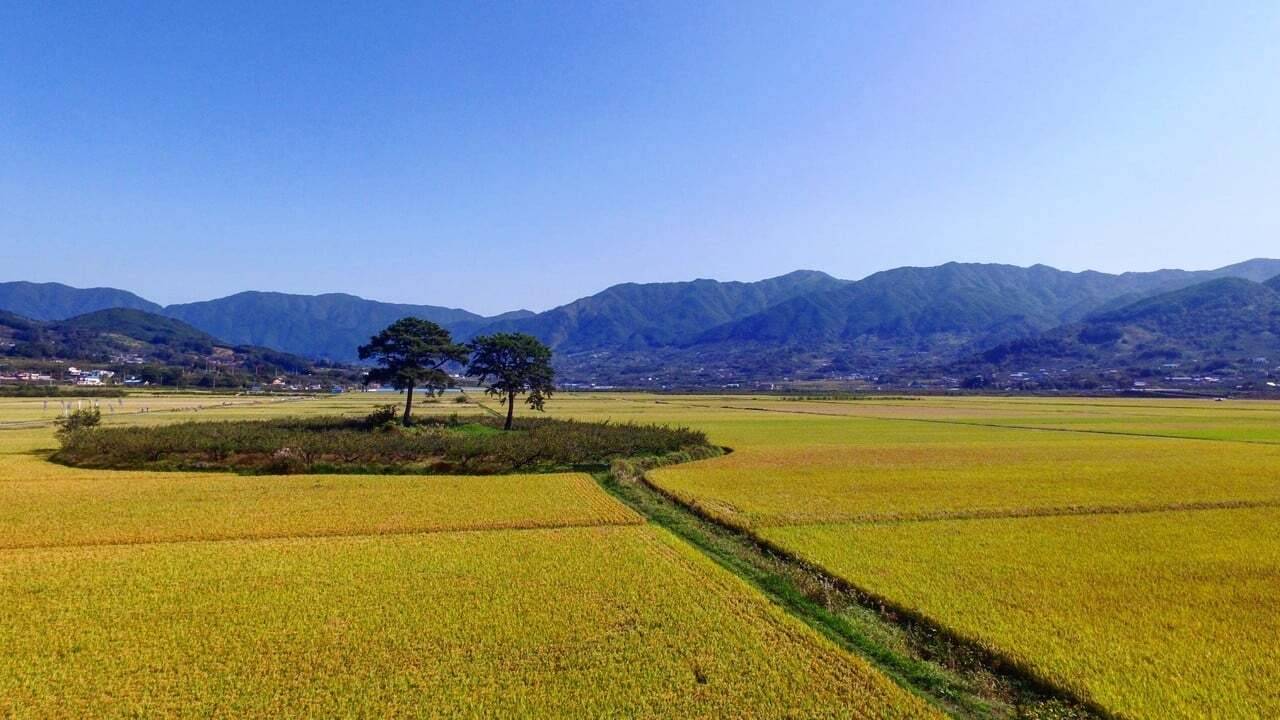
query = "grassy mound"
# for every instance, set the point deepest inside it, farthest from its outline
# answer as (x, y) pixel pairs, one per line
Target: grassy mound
(454, 445)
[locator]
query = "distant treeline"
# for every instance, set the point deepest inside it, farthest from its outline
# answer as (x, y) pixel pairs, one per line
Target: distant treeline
(73, 391)
(846, 396)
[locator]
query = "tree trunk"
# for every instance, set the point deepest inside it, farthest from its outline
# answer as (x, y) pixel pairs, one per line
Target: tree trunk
(511, 410)
(408, 405)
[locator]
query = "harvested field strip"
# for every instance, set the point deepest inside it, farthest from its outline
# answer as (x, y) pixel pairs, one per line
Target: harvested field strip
(1156, 615)
(556, 623)
(105, 508)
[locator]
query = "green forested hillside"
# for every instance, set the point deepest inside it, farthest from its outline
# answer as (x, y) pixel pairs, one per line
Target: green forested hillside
(1221, 324)
(55, 301)
(329, 326)
(637, 316)
(128, 337)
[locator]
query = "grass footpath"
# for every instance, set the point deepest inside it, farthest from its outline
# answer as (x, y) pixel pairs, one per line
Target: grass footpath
(961, 678)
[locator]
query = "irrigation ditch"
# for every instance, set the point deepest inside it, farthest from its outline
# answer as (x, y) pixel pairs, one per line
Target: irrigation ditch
(954, 673)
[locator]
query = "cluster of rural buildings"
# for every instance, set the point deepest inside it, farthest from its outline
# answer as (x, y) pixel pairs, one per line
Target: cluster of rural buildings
(90, 377)
(73, 375)
(26, 377)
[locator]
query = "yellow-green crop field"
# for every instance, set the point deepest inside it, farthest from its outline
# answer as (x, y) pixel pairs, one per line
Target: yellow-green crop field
(206, 594)
(1160, 615)
(620, 621)
(809, 469)
(1126, 550)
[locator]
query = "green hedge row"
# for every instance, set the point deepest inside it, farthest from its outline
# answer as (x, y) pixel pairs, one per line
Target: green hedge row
(472, 445)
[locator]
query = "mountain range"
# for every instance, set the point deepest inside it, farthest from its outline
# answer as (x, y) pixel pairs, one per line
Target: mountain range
(128, 336)
(326, 327)
(804, 323)
(322, 327)
(1196, 331)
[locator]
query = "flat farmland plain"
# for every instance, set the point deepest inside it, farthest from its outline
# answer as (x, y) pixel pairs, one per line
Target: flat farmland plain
(1168, 614)
(1128, 551)
(560, 623)
(1248, 421)
(815, 469)
(209, 594)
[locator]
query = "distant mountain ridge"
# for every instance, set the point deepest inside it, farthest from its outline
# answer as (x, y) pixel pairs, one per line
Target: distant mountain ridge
(1229, 322)
(131, 336)
(636, 316)
(959, 299)
(55, 301)
(797, 322)
(329, 326)
(323, 327)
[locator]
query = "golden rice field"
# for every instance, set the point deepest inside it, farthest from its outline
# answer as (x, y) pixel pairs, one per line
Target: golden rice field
(1235, 420)
(208, 594)
(99, 507)
(546, 623)
(1127, 550)
(804, 469)
(1159, 615)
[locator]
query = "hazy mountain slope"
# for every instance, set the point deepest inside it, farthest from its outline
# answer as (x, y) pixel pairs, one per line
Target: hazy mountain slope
(138, 325)
(328, 326)
(913, 302)
(956, 300)
(469, 328)
(12, 322)
(658, 314)
(1257, 270)
(103, 336)
(55, 301)
(1222, 322)
(890, 319)
(1142, 285)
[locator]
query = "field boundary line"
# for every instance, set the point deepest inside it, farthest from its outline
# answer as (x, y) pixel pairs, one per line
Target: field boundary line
(18, 424)
(265, 537)
(954, 673)
(1030, 513)
(1048, 402)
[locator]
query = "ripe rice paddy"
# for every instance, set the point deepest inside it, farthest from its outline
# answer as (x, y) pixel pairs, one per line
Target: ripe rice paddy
(161, 594)
(1157, 615)
(88, 508)
(1125, 550)
(561, 623)
(821, 470)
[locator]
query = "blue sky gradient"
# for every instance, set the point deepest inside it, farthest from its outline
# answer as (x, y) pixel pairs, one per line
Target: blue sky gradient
(503, 155)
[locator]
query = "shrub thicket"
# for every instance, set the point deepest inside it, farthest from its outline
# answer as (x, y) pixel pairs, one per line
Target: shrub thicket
(455, 445)
(381, 415)
(78, 421)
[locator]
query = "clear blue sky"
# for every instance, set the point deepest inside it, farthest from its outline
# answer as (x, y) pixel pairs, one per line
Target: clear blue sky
(502, 155)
